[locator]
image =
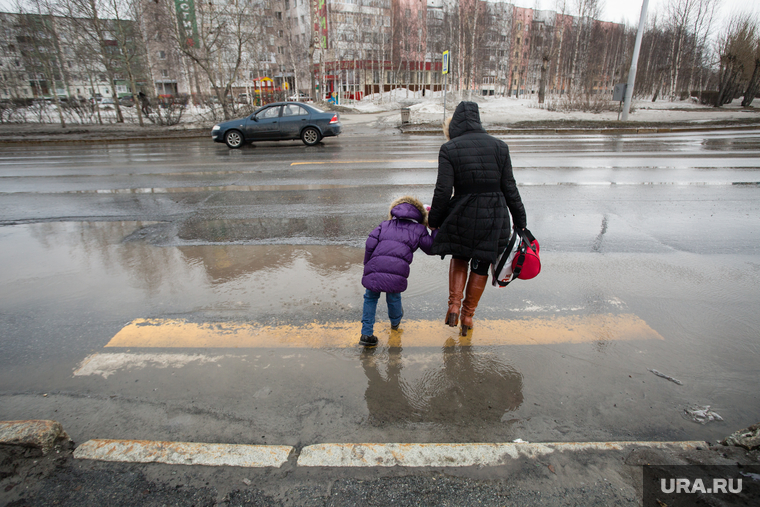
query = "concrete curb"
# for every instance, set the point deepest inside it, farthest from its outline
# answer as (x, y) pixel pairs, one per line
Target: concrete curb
(437, 455)
(184, 453)
(458, 455)
(37, 434)
(105, 141)
(409, 131)
(593, 131)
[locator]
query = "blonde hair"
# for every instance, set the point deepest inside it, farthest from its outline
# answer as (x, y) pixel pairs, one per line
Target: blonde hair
(446, 127)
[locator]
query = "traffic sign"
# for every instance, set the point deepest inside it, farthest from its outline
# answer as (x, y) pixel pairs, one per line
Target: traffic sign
(445, 62)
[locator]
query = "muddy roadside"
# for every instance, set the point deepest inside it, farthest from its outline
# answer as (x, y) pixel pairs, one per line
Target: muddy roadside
(583, 477)
(386, 123)
(595, 126)
(20, 133)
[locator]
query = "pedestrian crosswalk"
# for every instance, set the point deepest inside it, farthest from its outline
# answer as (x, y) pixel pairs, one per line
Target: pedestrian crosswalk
(177, 333)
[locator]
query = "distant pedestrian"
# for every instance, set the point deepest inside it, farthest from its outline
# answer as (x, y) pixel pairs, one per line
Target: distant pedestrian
(388, 255)
(474, 196)
(144, 103)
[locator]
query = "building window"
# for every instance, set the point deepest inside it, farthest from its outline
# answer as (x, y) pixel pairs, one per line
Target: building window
(164, 73)
(287, 4)
(278, 15)
(162, 55)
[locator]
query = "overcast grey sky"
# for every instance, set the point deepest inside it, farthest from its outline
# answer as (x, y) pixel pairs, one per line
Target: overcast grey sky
(628, 11)
(614, 10)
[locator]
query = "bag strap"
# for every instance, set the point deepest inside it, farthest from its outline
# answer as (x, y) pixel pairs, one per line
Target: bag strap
(528, 237)
(527, 240)
(504, 256)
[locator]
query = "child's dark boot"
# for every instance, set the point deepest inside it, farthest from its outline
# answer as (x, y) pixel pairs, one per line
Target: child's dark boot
(368, 341)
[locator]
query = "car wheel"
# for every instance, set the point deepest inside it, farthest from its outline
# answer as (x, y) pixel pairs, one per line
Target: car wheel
(234, 139)
(310, 136)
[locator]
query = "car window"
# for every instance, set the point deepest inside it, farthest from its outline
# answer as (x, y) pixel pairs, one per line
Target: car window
(270, 112)
(293, 110)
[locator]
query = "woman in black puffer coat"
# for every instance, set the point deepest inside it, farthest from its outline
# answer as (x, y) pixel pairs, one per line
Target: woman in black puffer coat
(474, 223)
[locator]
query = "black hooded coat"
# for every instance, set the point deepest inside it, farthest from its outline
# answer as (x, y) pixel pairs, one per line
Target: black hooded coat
(474, 222)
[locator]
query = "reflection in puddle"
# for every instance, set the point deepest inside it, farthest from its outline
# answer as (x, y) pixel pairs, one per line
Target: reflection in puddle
(86, 263)
(220, 188)
(318, 229)
(223, 264)
(471, 385)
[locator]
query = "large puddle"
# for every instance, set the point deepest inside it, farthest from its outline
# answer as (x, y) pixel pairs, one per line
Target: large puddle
(266, 334)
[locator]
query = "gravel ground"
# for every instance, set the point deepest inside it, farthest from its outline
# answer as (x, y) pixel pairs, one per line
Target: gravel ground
(581, 478)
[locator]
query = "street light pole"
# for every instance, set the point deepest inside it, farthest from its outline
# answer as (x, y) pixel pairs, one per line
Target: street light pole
(634, 61)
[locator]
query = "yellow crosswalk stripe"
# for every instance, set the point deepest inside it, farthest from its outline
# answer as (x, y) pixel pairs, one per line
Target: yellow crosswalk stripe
(175, 333)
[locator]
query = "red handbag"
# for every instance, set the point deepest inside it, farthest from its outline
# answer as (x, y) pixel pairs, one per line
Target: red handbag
(519, 260)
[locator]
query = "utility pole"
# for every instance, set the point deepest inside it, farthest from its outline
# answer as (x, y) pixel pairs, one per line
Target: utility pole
(445, 72)
(634, 61)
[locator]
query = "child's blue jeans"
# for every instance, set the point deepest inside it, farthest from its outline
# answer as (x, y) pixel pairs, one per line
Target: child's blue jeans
(395, 311)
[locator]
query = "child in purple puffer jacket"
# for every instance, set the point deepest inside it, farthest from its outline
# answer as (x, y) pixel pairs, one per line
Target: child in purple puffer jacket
(387, 257)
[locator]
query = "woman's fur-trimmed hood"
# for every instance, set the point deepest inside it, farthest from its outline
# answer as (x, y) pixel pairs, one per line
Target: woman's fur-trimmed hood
(407, 199)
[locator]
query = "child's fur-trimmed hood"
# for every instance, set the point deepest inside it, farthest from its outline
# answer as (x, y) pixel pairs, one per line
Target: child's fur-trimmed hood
(409, 200)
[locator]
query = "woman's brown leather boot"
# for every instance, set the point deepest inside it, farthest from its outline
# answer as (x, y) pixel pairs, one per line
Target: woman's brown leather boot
(475, 286)
(457, 280)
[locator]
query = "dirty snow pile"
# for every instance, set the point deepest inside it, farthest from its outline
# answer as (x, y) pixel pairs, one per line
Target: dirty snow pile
(505, 110)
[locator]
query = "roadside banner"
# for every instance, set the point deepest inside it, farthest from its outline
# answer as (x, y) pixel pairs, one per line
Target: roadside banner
(188, 27)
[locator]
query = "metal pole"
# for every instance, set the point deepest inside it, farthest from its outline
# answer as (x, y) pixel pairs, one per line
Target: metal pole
(634, 61)
(445, 76)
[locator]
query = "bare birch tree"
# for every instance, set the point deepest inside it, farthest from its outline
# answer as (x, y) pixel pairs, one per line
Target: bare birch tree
(41, 49)
(736, 46)
(225, 33)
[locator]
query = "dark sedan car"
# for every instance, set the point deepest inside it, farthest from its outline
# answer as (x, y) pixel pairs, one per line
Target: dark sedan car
(279, 121)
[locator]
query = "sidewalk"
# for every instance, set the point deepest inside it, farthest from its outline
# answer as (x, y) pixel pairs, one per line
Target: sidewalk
(130, 473)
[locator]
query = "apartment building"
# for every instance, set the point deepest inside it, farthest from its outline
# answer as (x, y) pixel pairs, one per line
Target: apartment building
(42, 56)
(330, 48)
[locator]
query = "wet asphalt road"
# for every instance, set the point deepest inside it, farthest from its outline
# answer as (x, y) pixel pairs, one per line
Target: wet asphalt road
(664, 229)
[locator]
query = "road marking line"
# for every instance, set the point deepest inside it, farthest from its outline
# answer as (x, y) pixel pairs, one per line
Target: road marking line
(171, 333)
(455, 455)
(364, 162)
(106, 365)
(184, 453)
